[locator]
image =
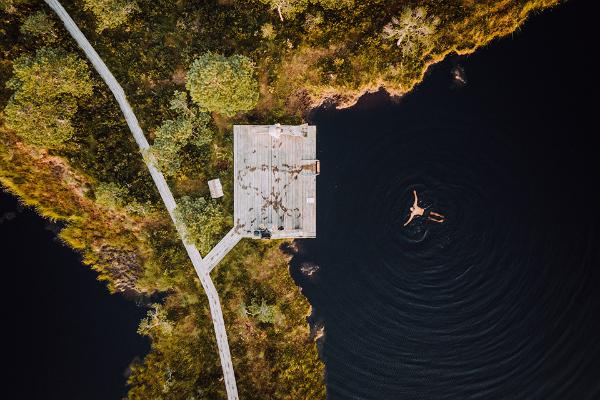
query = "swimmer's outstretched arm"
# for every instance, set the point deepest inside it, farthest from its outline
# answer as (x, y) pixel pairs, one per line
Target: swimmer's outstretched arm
(415, 204)
(409, 219)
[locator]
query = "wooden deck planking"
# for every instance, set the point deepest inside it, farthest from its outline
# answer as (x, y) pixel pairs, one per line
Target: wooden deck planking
(270, 186)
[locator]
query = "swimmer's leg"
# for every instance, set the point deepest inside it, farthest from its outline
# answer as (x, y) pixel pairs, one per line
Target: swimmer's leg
(435, 217)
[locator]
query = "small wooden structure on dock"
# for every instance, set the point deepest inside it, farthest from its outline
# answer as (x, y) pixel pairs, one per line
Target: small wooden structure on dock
(275, 170)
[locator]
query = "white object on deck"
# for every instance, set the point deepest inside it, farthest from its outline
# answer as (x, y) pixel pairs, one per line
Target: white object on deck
(215, 187)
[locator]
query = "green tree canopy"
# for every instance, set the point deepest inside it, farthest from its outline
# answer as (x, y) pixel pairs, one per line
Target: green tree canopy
(205, 221)
(114, 196)
(42, 124)
(110, 14)
(51, 73)
(335, 4)
(190, 126)
(263, 312)
(225, 85)
(46, 87)
(39, 25)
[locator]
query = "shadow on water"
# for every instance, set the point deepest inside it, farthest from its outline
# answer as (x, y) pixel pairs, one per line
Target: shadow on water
(501, 300)
(66, 337)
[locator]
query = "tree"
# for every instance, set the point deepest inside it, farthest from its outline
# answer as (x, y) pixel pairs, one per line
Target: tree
(53, 72)
(268, 31)
(10, 6)
(190, 126)
(42, 124)
(156, 322)
(205, 221)
(412, 30)
(110, 14)
(263, 312)
(286, 8)
(39, 25)
(46, 88)
(225, 85)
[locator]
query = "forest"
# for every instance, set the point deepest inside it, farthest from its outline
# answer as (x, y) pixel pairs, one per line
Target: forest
(190, 70)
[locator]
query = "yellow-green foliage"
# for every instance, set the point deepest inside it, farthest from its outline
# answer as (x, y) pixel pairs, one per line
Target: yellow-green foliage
(46, 88)
(191, 126)
(50, 184)
(39, 26)
(110, 14)
(269, 355)
(205, 221)
(225, 85)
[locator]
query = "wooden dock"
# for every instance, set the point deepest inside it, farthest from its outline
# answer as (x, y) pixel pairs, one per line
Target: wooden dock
(275, 170)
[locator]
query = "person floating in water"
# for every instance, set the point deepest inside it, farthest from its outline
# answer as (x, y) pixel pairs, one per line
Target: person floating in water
(416, 211)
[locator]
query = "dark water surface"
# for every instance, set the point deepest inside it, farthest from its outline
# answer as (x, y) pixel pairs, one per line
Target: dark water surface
(502, 301)
(65, 337)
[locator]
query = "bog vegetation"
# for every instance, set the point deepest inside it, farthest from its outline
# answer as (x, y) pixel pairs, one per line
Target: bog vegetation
(190, 70)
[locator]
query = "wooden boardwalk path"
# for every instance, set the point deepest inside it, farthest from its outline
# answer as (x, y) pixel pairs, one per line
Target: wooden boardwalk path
(165, 194)
(218, 252)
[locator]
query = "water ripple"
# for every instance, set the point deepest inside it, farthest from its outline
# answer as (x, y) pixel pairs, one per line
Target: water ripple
(488, 304)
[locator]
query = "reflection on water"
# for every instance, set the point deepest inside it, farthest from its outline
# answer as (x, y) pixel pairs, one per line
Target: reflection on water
(499, 301)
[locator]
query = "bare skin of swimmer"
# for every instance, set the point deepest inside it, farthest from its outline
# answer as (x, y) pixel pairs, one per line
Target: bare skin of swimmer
(416, 211)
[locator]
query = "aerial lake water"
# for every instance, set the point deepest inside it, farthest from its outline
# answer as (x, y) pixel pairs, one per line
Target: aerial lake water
(501, 301)
(66, 337)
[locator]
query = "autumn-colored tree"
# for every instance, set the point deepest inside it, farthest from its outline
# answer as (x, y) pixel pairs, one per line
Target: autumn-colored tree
(225, 85)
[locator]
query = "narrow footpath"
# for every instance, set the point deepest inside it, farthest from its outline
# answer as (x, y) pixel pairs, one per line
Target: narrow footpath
(165, 193)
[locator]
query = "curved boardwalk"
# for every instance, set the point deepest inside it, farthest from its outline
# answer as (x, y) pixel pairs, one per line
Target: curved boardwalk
(165, 194)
